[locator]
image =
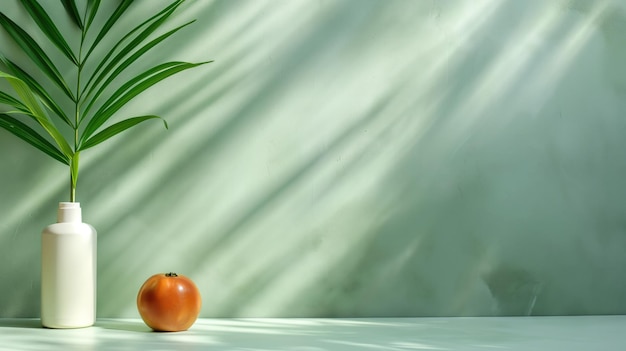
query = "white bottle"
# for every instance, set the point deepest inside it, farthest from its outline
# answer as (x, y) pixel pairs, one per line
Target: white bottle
(68, 270)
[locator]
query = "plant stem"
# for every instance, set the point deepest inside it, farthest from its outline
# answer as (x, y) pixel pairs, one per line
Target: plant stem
(74, 162)
(72, 189)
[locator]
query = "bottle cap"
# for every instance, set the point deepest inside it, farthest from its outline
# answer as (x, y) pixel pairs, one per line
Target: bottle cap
(69, 212)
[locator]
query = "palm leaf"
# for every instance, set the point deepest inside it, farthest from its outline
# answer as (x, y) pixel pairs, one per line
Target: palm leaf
(30, 101)
(115, 129)
(35, 53)
(158, 19)
(93, 6)
(128, 62)
(37, 89)
(7, 99)
(29, 135)
(34, 101)
(46, 25)
(72, 10)
(119, 11)
(131, 89)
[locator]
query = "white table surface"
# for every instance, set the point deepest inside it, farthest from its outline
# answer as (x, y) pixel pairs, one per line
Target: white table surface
(589, 333)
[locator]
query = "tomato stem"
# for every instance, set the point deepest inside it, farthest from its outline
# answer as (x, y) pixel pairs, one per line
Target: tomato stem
(171, 274)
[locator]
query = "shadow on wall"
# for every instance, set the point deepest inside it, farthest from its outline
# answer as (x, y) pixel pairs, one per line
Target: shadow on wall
(394, 158)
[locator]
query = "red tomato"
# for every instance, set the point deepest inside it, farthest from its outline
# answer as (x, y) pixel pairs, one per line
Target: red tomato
(169, 302)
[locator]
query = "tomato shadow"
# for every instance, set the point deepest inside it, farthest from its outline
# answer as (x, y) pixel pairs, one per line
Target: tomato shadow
(123, 325)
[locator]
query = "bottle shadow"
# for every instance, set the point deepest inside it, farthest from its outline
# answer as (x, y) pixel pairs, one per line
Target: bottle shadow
(112, 324)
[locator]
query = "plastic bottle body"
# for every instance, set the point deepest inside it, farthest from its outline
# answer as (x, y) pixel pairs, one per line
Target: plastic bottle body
(68, 271)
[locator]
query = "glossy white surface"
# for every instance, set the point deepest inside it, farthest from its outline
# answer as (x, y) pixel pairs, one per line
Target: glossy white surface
(394, 334)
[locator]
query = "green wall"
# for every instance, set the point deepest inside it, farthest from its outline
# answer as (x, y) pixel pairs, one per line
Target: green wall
(356, 158)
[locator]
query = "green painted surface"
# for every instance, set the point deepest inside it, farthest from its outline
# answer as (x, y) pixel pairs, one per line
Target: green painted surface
(357, 158)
